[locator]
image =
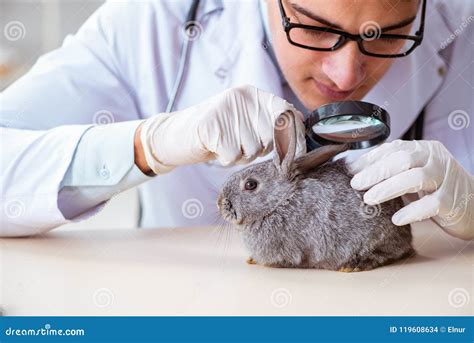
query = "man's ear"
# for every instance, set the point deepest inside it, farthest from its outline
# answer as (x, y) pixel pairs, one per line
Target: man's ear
(284, 142)
(317, 157)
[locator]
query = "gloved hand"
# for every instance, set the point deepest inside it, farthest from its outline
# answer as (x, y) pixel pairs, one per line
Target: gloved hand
(445, 189)
(235, 126)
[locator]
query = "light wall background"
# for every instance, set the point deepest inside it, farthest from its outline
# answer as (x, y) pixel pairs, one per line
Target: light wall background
(30, 28)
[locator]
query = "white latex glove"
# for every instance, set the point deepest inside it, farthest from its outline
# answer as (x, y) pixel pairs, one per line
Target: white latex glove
(445, 188)
(235, 126)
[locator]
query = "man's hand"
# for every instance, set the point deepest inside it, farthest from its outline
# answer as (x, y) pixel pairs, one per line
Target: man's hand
(446, 190)
(235, 126)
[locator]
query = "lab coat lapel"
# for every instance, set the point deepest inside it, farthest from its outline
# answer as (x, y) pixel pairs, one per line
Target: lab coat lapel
(244, 59)
(412, 81)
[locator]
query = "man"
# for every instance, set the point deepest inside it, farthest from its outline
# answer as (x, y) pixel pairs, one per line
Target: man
(120, 68)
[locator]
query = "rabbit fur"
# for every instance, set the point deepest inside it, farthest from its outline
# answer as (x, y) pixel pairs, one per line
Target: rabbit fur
(303, 213)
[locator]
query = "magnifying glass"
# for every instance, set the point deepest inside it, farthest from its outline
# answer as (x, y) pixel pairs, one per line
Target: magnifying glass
(359, 123)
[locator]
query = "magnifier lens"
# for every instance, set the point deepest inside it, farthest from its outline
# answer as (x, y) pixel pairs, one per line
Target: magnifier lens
(349, 128)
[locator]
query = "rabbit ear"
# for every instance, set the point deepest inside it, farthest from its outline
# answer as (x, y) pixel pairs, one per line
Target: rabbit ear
(317, 157)
(284, 141)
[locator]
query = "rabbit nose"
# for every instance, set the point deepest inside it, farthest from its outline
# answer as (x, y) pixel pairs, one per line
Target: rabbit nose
(226, 204)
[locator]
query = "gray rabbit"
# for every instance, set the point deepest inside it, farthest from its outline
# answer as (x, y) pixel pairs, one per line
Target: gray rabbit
(303, 212)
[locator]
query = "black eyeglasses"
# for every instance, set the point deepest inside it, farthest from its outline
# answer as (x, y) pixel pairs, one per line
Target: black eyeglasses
(371, 40)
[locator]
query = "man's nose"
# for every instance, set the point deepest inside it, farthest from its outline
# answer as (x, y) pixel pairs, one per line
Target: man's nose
(345, 66)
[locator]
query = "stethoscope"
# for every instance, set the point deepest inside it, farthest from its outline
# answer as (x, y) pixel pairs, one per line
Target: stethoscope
(188, 25)
(357, 123)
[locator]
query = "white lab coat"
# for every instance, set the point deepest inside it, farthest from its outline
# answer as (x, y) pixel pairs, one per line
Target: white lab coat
(124, 60)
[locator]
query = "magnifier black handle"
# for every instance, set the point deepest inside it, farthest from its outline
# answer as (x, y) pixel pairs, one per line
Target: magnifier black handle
(311, 144)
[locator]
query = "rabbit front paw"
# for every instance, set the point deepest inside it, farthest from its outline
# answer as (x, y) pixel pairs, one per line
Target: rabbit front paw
(250, 260)
(349, 269)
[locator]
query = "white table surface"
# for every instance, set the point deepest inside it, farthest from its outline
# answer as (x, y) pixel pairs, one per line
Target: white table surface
(194, 271)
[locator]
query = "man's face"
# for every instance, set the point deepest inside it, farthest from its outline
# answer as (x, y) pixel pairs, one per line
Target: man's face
(319, 77)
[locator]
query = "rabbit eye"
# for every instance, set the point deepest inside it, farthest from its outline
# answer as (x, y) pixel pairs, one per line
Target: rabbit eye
(250, 185)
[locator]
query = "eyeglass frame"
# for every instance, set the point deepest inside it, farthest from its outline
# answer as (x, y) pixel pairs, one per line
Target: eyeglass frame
(346, 36)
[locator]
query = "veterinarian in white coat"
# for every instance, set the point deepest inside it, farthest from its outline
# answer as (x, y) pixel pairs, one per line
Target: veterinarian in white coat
(60, 163)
